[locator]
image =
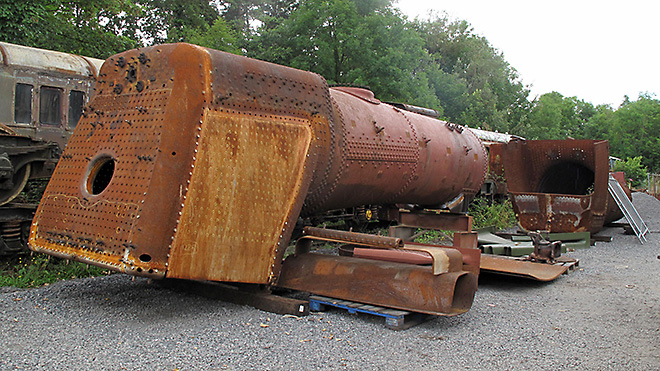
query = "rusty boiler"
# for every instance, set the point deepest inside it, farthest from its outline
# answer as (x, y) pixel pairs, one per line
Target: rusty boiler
(196, 164)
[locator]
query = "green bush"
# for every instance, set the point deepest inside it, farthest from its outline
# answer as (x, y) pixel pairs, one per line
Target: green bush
(498, 214)
(633, 169)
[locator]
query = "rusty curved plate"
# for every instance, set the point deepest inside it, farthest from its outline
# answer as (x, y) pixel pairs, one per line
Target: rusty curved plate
(521, 268)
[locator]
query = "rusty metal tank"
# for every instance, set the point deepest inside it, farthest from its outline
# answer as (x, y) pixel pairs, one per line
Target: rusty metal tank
(194, 163)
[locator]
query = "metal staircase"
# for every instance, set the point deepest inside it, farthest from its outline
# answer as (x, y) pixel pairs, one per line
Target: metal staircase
(628, 209)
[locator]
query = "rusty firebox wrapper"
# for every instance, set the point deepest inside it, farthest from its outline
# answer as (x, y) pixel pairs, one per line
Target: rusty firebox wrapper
(194, 163)
(558, 186)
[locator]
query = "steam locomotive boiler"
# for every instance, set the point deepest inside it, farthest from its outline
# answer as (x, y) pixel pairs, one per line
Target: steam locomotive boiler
(195, 164)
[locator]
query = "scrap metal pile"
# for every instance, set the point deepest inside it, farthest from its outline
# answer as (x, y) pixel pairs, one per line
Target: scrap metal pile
(196, 164)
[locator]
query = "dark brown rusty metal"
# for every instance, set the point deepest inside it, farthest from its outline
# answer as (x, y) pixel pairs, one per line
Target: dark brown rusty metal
(396, 285)
(544, 251)
(133, 193)
(394, 255)
(555, 185)
(333, 235)
(195, 164)
(396, 164)
(435, 220)
(520, 268)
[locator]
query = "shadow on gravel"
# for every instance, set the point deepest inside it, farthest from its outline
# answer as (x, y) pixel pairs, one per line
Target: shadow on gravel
(503, 282)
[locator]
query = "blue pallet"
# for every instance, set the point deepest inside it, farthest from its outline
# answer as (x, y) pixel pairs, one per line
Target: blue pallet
(394, 318)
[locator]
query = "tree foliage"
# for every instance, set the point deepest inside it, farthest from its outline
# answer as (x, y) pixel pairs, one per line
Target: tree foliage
(634, 131)
(80, 27)
(440, 63)
(554, 116)
(633, 169)
(475, 84)
(351, 42)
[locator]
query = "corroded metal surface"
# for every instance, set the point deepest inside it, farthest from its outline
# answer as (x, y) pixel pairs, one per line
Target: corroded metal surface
(544, 251)
(396, 285)
(520, 268)
(333, 235)
(387, 155)
(196, 178)
(193, 163)
(555, 185)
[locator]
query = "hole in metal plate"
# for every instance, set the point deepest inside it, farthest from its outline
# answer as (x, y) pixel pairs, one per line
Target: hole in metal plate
(99, 178)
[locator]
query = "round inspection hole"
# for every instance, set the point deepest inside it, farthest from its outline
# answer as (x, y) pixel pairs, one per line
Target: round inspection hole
(145, 258)
(101, 174)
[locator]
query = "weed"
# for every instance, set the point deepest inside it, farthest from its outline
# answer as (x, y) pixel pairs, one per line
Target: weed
(498, 214)
(433, 236)
(34, 270)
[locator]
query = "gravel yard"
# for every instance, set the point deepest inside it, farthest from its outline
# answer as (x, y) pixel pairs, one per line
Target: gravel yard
(605, 315)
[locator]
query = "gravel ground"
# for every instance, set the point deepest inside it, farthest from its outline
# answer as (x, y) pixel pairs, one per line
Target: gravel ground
(606, 315)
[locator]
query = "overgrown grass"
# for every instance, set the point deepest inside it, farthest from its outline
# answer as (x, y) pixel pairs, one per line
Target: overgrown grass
(434, 237)
(34, 270)
(498, 214)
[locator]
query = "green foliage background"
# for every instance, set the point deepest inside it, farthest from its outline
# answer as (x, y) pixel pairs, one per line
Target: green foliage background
(438, 63)
(633, 169)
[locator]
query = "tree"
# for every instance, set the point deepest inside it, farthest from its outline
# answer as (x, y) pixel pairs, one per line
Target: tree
(348, 42)
(598, 126)
(174, 20)
(634, 131)
(79, 27)
(220, 37)
(554, 116)
(475, 85)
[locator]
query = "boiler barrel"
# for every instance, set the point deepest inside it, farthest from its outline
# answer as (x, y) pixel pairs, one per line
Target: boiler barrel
(385, 155)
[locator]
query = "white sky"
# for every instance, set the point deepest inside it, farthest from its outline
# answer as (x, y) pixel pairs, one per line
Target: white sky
(598, 51)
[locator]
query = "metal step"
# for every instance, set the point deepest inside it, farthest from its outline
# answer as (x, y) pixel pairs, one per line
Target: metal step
(628, 209)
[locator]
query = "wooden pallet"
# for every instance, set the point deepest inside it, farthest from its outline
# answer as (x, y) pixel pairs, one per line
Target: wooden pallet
(394, 318)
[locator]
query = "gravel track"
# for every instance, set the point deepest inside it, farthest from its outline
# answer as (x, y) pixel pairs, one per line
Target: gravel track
(604, 316)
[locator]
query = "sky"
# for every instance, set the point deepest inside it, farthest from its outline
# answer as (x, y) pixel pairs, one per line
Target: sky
(597, 51)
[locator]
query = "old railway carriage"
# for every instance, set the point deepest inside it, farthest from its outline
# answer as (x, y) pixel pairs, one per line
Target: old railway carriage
(42, 94)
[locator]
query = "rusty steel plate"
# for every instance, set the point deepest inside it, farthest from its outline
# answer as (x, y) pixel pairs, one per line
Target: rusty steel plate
(175, 158)
(558, 186)
(520, 268)
(394, 285)
(219, 219)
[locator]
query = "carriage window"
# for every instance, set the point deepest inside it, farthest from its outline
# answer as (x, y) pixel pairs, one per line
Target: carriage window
(50, 106)
(23, 104)
(76, 99)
